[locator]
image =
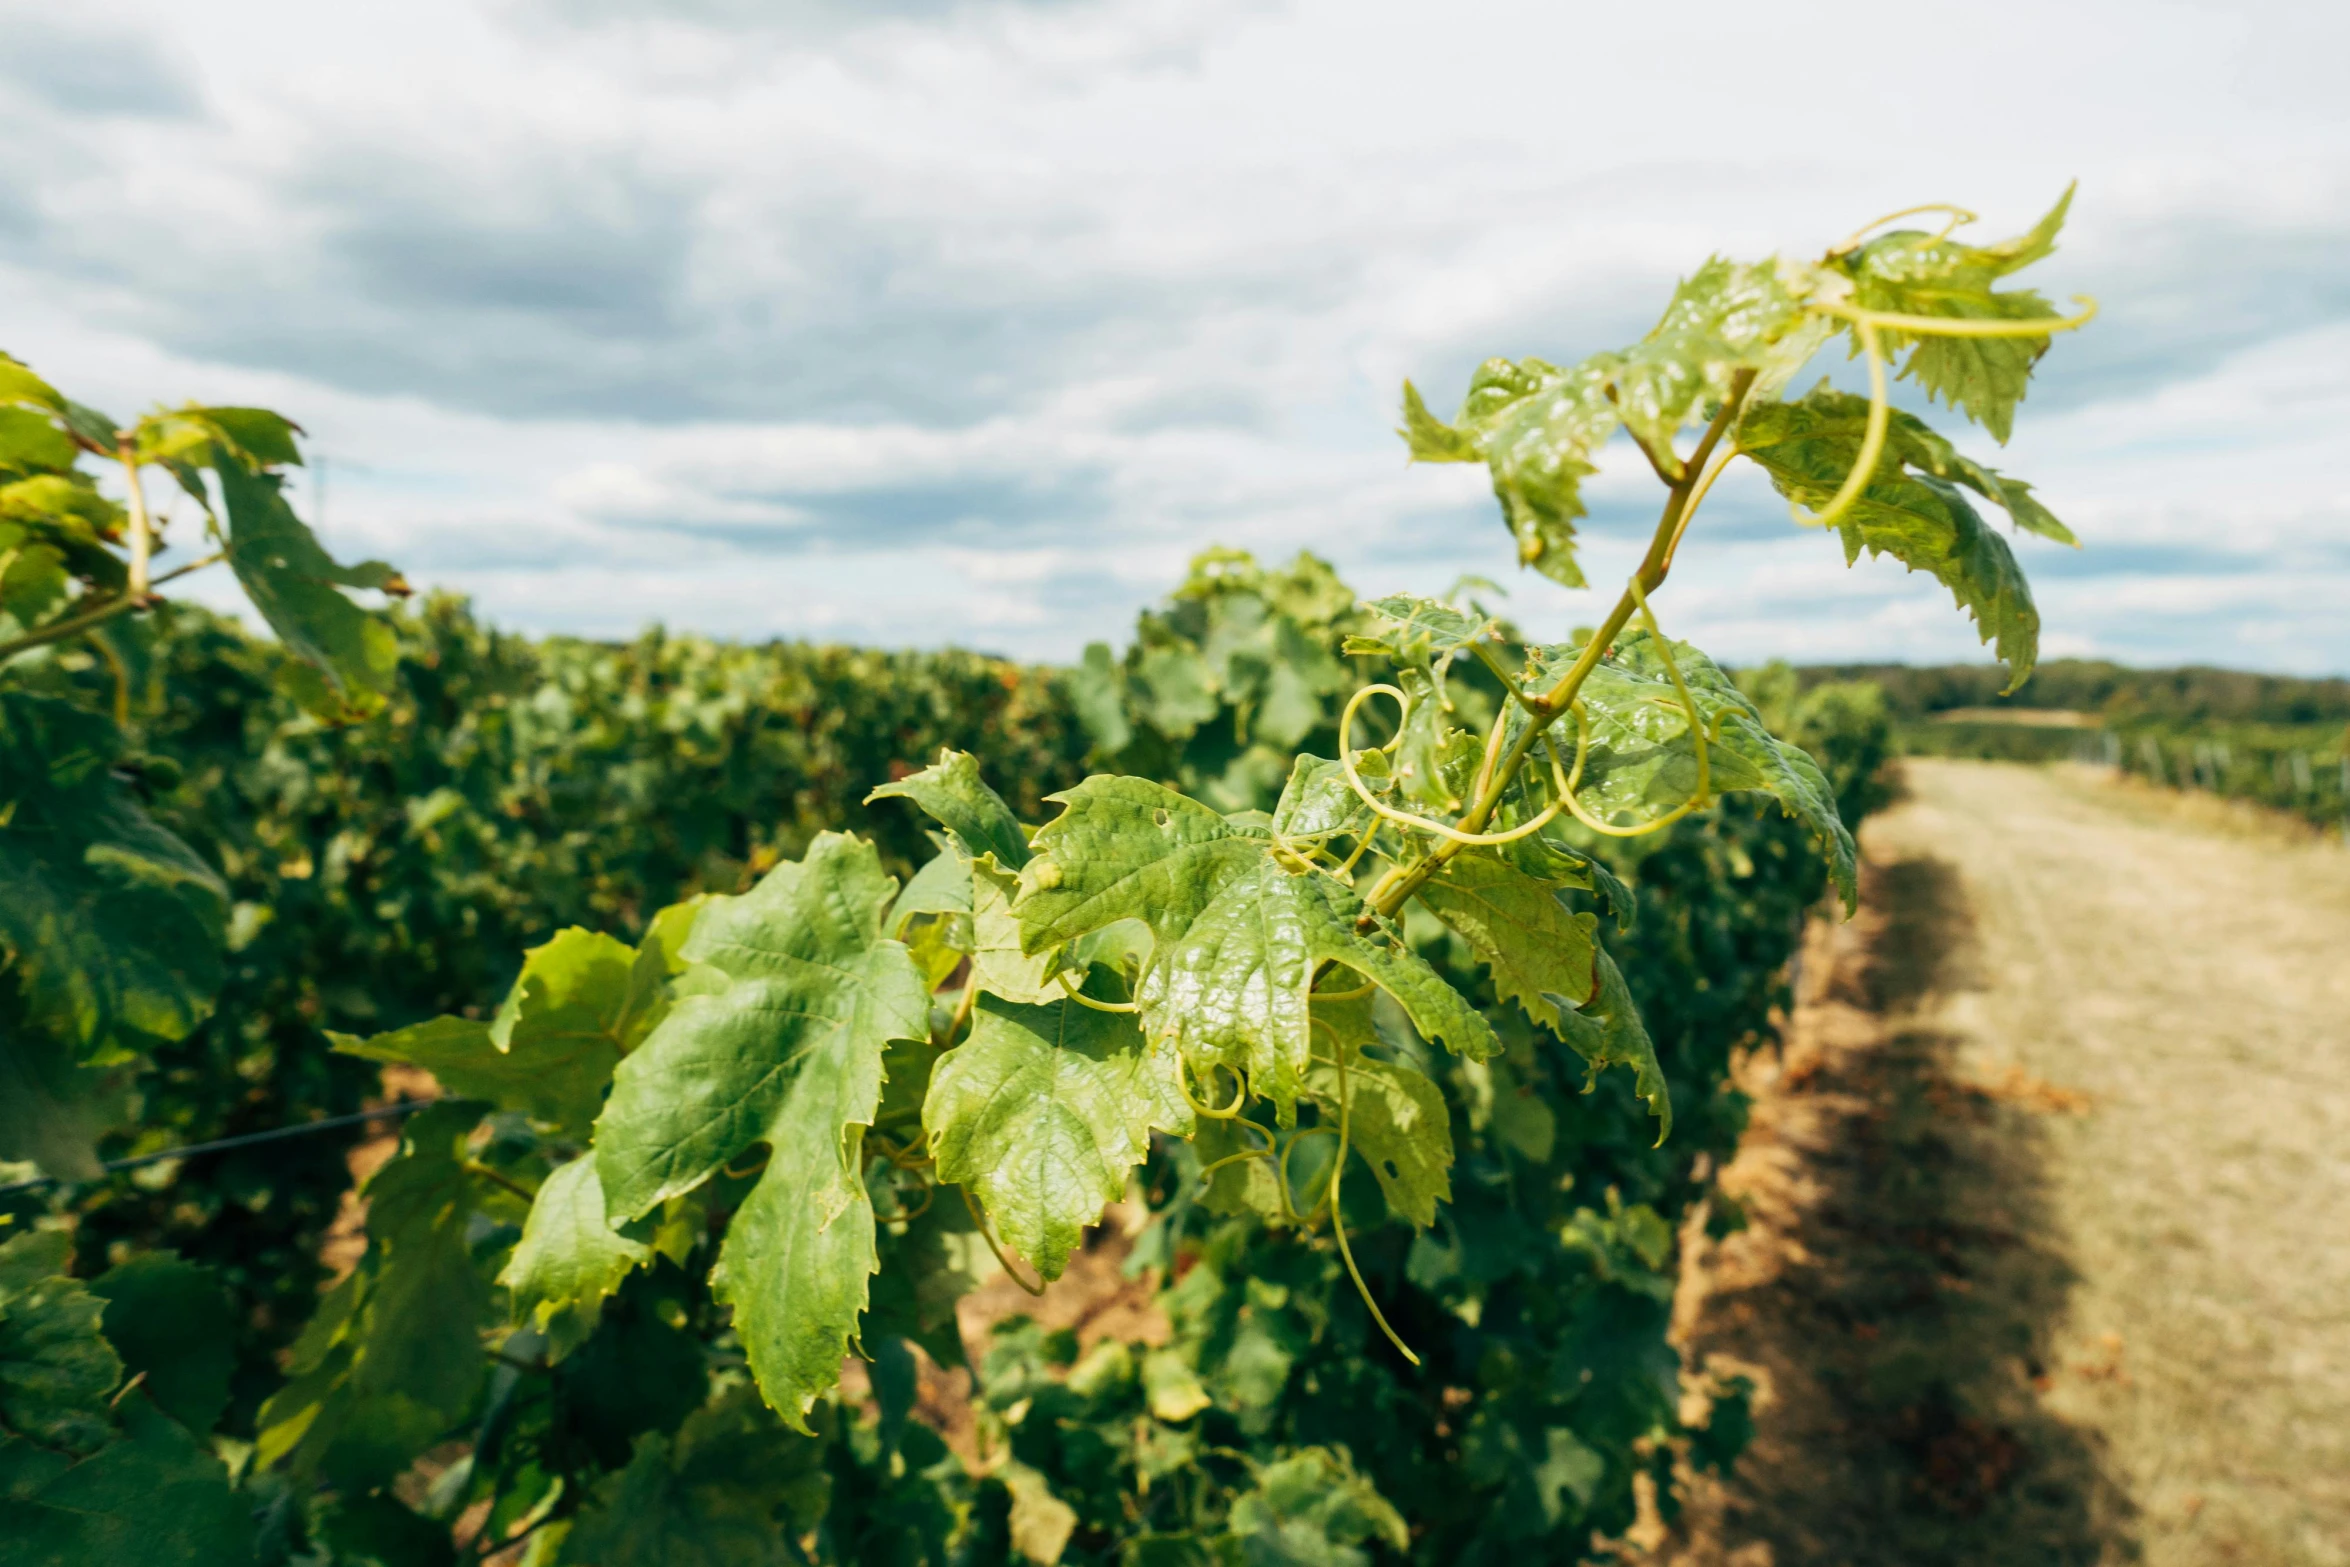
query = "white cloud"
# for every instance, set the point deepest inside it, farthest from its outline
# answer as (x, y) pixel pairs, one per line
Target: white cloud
(939, 322)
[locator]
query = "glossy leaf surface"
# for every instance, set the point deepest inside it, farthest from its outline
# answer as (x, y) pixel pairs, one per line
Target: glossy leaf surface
(1043, 1111)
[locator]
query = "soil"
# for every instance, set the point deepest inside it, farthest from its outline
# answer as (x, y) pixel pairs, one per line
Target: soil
(2046, 1200)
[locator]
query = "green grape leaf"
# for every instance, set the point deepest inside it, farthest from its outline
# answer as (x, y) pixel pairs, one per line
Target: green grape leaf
(392, 1359)
(731, 1489)
(88, 425)
(1812, 444)
(171, 1322)
(1726, 317)
(926, 1268)
(1546, 857)
(1318, 802)
(350, 654)
(1910, 272)
(52, 1109)
(31, 442)
(32, 576)
(1918, 517)
(153, 1496)
(1538, 429)
(659, 959)
(999, 965)
(1176, 690)
(941, 886)
(1419, 630)
(18, 384)
(1639, 760)
(1042, 1112)
(986, 847)
(569, 1258)
(114, 925)
(1528, 940)
(933, 915)
(185, 435)
(1239, 937)
(1395, 1118)
(789, 1052)
(1313, 1507)
(1606, 1031)
(551, 1048)
(1425, 739)
(56, 1368)
(1430, 439)
(1039, 1523)
(1240, 1182)
(959, 800)
(1097, 691)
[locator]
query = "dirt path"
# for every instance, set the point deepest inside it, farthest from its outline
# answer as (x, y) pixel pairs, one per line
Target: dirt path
(2048, 1253)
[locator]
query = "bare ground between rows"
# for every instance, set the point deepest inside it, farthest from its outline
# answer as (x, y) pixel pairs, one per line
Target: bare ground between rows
(2047, 1199)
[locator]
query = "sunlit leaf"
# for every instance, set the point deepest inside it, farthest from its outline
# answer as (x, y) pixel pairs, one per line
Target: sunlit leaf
(1239, 936)
(790, 1053)
(1912, 513)
(1640, 759)
(959, 800)
(1529, 941)
(569, 1258)
(552, 1047)
(1911, 272)
(1042, 1112)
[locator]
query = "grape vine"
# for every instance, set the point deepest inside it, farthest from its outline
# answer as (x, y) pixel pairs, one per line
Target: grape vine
(734, 1129)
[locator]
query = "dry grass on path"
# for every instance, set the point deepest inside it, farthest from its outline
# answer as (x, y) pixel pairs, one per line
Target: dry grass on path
(2049, 1252)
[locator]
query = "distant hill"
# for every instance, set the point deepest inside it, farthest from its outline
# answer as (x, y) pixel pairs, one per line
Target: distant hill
(2194, 694)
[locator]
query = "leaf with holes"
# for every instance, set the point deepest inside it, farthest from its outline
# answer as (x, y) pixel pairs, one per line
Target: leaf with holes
(1639, 759)
(1395, 1114)
(1239, 935)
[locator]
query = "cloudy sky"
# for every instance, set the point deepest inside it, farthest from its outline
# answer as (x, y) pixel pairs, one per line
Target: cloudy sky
(911, 322)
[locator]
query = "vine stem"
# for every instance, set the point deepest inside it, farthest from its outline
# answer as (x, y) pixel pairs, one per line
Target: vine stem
(120, 604)
(142, 530)
(963, 1006)
(1397, 886)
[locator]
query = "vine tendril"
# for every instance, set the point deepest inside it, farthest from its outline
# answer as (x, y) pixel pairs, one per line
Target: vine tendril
(1959, 218)
(988, 1235)
(1338, 1219)
(1084, 1000)
(1406, 818)
(1230, 1112)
